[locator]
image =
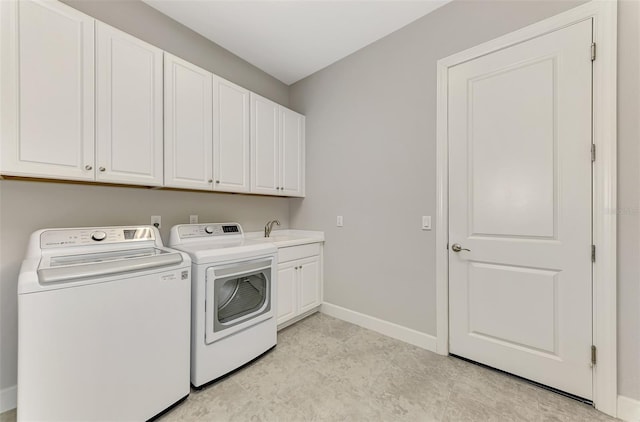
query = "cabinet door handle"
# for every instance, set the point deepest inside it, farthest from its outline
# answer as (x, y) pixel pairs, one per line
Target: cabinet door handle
(88, 167)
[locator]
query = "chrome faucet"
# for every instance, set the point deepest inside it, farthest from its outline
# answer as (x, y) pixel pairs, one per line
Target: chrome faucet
(269, 226)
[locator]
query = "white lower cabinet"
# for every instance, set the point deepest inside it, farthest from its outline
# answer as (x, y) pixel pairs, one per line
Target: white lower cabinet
(299, 281)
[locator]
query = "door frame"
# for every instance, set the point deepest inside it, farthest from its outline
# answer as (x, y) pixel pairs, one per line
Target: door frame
(604, 202)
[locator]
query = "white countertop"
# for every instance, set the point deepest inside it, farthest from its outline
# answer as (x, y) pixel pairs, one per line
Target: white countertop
(284, 238)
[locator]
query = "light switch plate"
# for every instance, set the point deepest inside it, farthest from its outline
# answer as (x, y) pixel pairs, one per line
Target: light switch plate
(193, 219)
(426, 222)
(339, 221)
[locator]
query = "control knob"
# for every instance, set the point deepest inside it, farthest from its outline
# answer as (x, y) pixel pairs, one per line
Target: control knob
(98, 236)
(209, 229)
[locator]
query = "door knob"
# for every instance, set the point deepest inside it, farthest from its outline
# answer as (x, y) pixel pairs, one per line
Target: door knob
(457, 248)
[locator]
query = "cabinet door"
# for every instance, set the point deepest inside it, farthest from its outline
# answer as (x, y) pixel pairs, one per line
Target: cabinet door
(128, 109)
(188, 122)
(291, 153)
(309, 284)
(231, 137)
(47, 85)
(264, 145)
(286, 292)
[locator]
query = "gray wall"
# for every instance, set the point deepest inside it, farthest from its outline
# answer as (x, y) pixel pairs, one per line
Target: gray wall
(371, 120)
(27, 206)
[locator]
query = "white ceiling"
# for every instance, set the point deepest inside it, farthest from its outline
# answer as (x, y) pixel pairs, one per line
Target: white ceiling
(293, 39)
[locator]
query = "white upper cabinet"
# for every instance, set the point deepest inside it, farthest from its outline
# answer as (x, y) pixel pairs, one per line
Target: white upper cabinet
(81, 100)
(188, 125)
(128, 109)
(265, 139)
(291, 153)
(47, 85)
(277, 149)
(206, 129)
(231, 137)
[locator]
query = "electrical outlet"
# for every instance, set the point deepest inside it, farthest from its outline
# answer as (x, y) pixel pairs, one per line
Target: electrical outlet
(193, 219)
(339, 221)
(156, 221)
(426, 222)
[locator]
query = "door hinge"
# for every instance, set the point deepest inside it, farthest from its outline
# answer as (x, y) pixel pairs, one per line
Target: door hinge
(593, 51)
(593, 152)
(593, 253)
(594, 356)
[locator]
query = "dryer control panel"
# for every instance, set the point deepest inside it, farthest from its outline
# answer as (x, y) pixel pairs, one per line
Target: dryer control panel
(187, 231)
(56, 238)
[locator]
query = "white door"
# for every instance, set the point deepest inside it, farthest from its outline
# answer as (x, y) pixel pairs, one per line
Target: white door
(520, 201)
(128, 109)
(264, 145)
(292, 153)
(47, 70)
(188, 125)
(231, 137)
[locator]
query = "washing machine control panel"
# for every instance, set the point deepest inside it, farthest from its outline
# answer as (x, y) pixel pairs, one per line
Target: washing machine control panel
(93, 236)
(187, 231)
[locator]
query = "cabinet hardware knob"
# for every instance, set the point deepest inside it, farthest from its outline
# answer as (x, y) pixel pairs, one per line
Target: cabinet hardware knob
(88, 167)
(217, 181)
(210, 180)
(102, 169)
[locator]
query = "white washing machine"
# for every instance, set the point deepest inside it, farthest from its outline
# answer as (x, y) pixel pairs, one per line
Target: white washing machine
(103, 325)
(232, 297)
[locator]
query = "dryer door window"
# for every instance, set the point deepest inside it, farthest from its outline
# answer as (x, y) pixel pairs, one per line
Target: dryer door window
(238, 295)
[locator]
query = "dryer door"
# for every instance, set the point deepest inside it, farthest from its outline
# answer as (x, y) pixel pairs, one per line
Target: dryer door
(238, 296)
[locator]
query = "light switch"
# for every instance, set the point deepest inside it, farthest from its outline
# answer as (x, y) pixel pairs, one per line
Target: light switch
(339, 221)
(426, 222)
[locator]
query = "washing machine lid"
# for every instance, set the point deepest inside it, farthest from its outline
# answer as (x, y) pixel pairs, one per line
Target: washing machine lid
(92, 254)
(64, 268)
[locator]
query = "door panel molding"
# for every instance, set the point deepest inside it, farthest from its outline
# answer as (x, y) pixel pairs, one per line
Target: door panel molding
(604, 15)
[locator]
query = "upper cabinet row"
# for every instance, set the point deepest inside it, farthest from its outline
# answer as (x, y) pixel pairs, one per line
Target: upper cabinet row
(84, 101)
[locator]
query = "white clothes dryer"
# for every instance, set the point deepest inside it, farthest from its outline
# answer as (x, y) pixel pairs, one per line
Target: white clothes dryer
(232, 297)
(103, 325)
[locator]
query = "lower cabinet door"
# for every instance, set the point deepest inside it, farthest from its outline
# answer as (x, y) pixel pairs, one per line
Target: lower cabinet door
(309, 283)
(286, 291)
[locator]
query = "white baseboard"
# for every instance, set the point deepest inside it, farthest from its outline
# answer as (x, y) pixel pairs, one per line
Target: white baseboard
(387, 328)
(628, 409)
(8, 398)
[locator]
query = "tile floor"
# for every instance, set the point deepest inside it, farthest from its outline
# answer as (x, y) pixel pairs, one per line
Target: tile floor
(324, 369)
